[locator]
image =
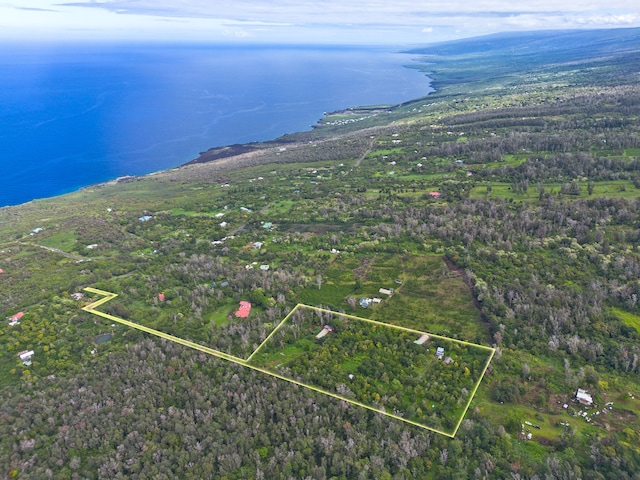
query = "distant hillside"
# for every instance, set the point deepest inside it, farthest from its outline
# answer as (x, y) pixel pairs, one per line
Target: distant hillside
(586, 55)
(574, 43)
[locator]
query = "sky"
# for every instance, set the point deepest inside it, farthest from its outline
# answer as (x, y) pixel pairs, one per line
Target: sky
(359, 22)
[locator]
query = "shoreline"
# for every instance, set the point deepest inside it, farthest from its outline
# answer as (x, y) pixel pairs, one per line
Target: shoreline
(214, 119)
(221, 153)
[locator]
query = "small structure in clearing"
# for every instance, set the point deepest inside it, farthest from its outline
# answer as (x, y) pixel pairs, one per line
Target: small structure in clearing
(161, 297)
(584, 398)
(386, 291)
(326, 329)
(244, 310)
(365, 302)
(422, 339)
(440, 353)
(26, 356)
(15, 320)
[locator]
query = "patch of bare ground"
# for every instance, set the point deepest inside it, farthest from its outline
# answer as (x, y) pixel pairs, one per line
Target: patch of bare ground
(362, 271)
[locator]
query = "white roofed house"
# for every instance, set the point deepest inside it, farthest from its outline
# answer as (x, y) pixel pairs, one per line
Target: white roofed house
(26, 356)
(583, 398)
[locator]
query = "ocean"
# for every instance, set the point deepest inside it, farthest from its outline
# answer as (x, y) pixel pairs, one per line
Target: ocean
(73, 116)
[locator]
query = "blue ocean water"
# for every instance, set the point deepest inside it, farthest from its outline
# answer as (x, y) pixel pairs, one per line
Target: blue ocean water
(71, 116)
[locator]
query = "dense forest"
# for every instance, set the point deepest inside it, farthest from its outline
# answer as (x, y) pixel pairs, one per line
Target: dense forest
(508, 218)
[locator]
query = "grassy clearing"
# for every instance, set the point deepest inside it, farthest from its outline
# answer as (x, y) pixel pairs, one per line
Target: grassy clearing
(432, 298)
(65, 241)
(219, 316)
(628, 318)
(616, 189)
(191, 213)
(632, 152)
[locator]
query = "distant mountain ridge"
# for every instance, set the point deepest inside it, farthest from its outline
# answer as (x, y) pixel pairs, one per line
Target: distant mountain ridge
(584, 57)
(587, 43)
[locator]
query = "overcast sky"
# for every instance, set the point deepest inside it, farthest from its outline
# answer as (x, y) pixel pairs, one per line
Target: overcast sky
(389, 22)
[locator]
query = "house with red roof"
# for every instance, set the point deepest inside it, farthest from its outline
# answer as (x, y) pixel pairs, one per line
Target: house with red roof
(15, 320)
(244, 310)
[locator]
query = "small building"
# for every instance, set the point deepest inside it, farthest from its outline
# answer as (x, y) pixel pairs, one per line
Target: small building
(77, 296)
(257, 245)
(386, 291)
(440, 353)
(244, 310)
(267, 225)
(264, 267)
(376, 300)
(1, 271)
(37, 230)
(245, 209)
(435, 194)
(161, 297)
(326, 329)
(224, 284)
(26, 357)
(424, 338)
(145, 218)
(583, 398)
(365, 302)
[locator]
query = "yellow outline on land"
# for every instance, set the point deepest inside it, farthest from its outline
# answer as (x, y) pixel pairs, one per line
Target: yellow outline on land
(91, 308)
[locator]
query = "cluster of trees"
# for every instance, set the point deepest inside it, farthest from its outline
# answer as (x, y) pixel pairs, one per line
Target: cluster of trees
(158, 410)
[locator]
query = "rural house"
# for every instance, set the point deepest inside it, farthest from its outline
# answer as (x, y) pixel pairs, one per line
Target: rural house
(26, 356)
(244, 310)
(583, 398)
(326, 329)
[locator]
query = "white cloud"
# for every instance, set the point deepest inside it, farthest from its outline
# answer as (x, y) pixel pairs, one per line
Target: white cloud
(333, 21)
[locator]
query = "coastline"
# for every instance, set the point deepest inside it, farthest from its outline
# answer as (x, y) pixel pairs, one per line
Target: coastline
(118, 127)
(221, 155)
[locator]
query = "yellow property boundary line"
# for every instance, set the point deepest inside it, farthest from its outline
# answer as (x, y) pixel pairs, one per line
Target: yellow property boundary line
(107, 296)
